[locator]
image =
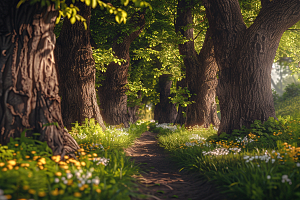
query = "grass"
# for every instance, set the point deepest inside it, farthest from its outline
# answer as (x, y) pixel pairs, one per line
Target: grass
(261, 162)
(101, 170)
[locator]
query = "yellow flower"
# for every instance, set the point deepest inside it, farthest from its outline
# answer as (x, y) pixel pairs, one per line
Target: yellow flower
(25, 187)
(95, 155)
(77, 194)
(17, 167)
(16, 145)
(81, 188)
(98, 190)
(82, 163)
(31, 191)
(42, 194)
(4, 169)
(70, 182)
(58, 174)
(56, 158)
(66, 157)
(27, 157)
(64, 167)
(33, 152)
(54, 192)
(42, 160)
(35, 157)
(8, 196)
(12, 162)
(41, 167)
(2, 164)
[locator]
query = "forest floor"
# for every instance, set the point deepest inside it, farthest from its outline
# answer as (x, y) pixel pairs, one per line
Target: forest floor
(160, 179)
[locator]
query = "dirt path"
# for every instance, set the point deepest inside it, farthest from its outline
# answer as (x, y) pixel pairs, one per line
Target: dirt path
(161, 179)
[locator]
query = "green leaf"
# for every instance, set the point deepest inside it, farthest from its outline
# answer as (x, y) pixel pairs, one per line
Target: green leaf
(88, 2)
(94, 3)
(126, 2)
(20, 2)
(117, 19)
(58, 18)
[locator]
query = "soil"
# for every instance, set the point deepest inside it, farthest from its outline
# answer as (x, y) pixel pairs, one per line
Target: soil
(160, 179)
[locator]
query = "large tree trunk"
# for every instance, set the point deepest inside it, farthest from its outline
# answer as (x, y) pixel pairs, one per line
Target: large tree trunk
(113, 100)
(28, 80)
(245, 56)
(133, 111)
(165, 111)
(181, 116)
(77, 71)
(201, 71)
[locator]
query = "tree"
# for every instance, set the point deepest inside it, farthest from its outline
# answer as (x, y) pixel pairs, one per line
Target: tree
(165, 111)
(28, 77)
(181, 116)
(245, 56)
(201, 70)
(112, 96)
(76, 66)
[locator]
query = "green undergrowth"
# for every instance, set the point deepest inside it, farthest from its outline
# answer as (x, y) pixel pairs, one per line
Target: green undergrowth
(257, 163)
(100, 171)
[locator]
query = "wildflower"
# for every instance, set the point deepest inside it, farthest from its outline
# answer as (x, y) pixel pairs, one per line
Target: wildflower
(98, 190)
(55, 192)
(69, 175)
(12, 162)
(58, 174)
(298, 164)
(56, 180)
(96, 180)
(25, 187)
(42, 194)
(77, 194)
(286, 179)
(31, 191)
(268, 177)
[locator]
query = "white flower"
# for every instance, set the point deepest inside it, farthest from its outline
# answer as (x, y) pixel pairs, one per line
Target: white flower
(284, 177)
(63, 178)
(96, 181)
(246, 157)
(298, 164)
(65, 182)
(268, 177)
(69, 175)
(56, 180)
(88, 174)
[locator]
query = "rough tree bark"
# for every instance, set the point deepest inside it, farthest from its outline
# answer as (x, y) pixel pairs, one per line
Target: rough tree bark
(165, 111)
(245, 56)
(28, 79)
(201, 70)
(133, 111)
(181, 119)
(113, 100)
(76, 66)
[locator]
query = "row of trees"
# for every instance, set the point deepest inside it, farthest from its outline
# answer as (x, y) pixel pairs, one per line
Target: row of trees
(44, 82)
